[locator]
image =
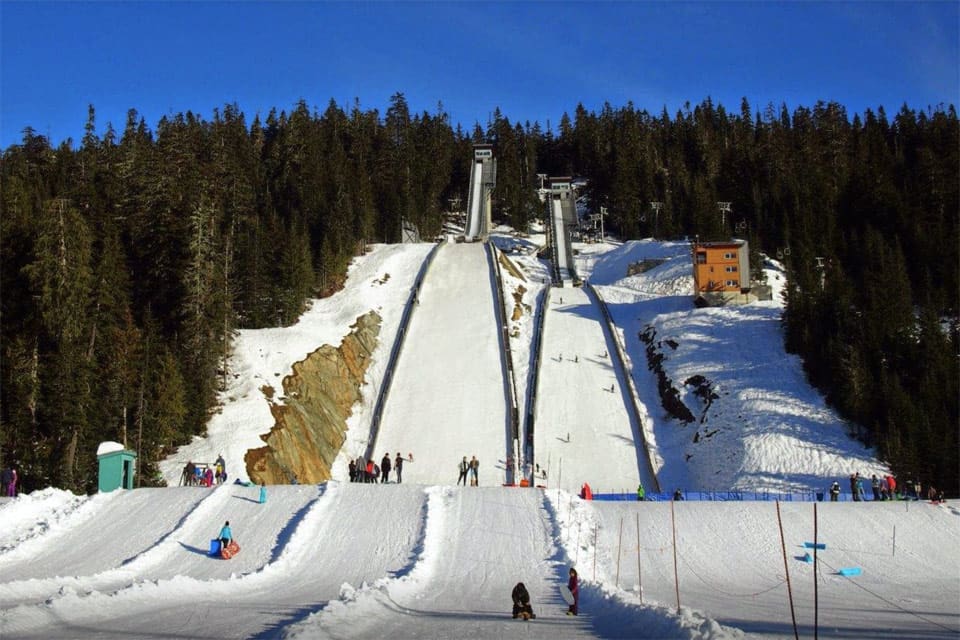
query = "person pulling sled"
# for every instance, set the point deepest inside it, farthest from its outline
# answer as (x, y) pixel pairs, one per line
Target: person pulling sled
(521, 603)
(225, 546)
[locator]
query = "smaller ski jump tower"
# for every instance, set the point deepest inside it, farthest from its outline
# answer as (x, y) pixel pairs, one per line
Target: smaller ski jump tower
(561, 219)
(483, 178)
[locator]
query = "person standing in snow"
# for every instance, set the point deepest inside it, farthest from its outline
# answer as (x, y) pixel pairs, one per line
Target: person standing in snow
(385, 469)
(875, 485)
(226, 535)
(263, 493)
(398, 467)
(369, 477)
(853, 487)
(5, 477)
(353, 470)
(641, 493)
(574, 585)
(221, 469)
(474, 471)
(464, 467)
(835, 492)
(860, 492)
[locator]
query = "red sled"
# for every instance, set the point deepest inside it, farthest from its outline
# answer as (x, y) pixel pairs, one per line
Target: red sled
(230, 550)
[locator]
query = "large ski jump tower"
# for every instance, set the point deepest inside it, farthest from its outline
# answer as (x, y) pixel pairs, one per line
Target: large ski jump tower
(483, 178)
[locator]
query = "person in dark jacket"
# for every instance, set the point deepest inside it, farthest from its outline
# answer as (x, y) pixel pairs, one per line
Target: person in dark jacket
(521, 602)
(464, 466)
(398, 467)
(574, 585)
(835, 492)
(385, 469)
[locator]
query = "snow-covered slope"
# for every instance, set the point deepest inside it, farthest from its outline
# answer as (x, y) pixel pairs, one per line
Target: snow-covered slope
(429, 560)
(413, 561)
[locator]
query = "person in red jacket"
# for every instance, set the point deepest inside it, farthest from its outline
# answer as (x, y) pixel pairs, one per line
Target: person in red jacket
(574, 585)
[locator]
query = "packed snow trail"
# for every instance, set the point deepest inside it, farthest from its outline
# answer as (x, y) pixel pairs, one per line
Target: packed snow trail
(452, 404)
(475, 221)
(479, 543)
(565, 260)
(581, 421)
(345, 535)
(737, 576)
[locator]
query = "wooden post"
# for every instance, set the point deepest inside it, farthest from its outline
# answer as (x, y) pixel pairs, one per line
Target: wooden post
(786, 568)
(816, 583)
(676, 577)
(619, 551)
(639, 574)
(596, 528)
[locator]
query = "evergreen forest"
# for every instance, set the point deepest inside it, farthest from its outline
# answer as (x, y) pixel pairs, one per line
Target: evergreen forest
(129, 259)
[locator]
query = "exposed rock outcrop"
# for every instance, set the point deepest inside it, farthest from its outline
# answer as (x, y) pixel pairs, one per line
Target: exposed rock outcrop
(669, 396)
(310, 421)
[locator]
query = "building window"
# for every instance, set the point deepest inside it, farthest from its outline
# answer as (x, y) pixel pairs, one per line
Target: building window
(701, 257)
(733, 283)
(732, 269)
(729, 256)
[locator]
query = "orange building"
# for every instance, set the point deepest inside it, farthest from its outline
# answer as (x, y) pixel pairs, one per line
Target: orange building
(721, 271)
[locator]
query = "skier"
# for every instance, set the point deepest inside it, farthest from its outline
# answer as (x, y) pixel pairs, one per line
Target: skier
(678, 495)
(464, 466)
(521, 602)
(385, 469)
(398, 467)
(369, 477)
(853, 487)
(353, 470)
(875, 485)
(574, 585)
(834, 491)
(641, 493)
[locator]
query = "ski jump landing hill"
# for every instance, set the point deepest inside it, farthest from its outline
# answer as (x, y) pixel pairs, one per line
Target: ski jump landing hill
(451, 371)
(592, 415)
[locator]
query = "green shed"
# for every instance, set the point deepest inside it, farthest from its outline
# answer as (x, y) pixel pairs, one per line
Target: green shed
(117, 466)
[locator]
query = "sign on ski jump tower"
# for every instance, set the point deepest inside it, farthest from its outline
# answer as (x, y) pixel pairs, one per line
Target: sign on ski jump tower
(483, 178)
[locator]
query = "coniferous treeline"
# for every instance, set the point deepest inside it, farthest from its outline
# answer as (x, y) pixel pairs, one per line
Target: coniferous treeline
(128, 262)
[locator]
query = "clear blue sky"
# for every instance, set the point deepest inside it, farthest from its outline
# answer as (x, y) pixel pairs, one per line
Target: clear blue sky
(535, 60)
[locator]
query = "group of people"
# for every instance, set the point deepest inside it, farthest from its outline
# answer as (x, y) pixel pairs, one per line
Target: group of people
(885, 488)
(370, 471)
(203, 475)
(521, 598)
(469, 468)
(8, 481)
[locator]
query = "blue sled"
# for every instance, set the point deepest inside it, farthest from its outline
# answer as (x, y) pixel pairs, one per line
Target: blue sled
(815, 545)
(850, 571)
(215, 547)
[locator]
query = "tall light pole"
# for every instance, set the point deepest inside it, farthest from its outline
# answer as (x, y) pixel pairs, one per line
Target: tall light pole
(603, 212)
(725, 208)
(656, 206)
